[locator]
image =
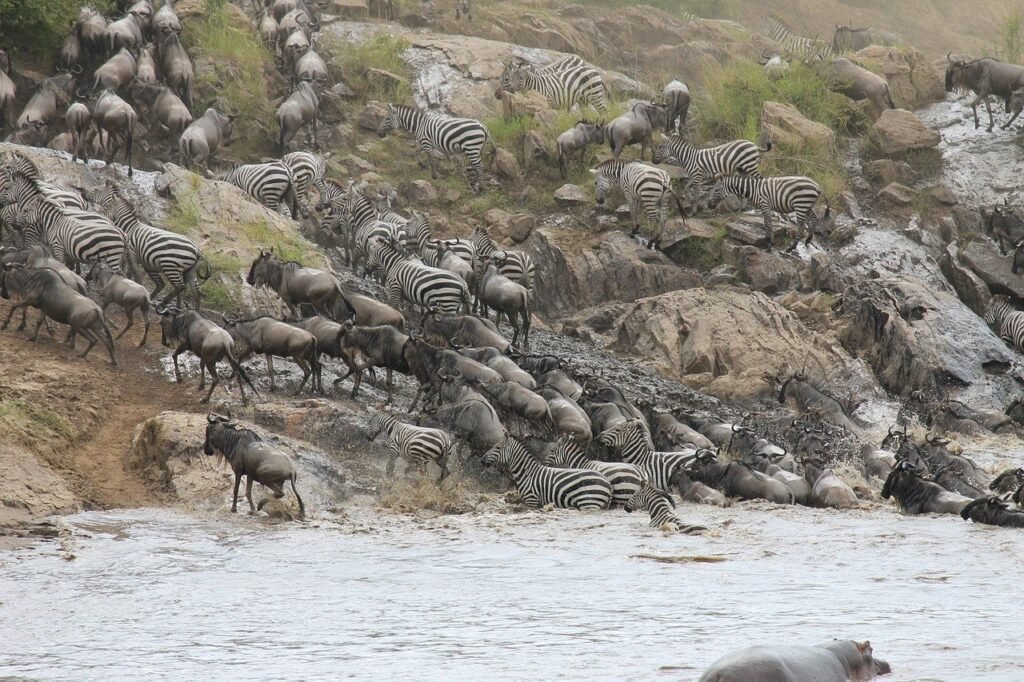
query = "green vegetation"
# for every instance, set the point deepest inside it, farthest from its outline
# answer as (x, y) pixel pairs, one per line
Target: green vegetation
(38, 27)
(375, 68)
(32, 424)
(706, 9)
(1007, 47)
(223, 290)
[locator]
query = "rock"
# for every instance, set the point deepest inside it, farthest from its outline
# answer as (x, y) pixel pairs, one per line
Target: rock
(969, 287)
(571, 195)
(349, 9)
(535, 146)
(359, 164)
(371, 117)
(995, 269)
(943, 195)
(764, 271)
(520, 226)
(506, 165)
(899, 131)
(918, 337)
(784, 124)
(422, 192)
(748, 230)
(616, 268)
(680, 240)
(968, 220)
(736, 337)
(913, 80)
(516, 104)
(886, 171)
(897, 194)
(497, 223)
(847, 203)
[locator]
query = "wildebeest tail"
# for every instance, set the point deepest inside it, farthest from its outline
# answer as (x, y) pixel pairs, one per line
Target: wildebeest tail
(302, 506)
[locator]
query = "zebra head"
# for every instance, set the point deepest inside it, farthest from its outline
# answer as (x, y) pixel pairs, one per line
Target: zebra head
(997, 309)
(390, 121)
(378, 423)
(663, 152)
(624, 433)
(645, 496)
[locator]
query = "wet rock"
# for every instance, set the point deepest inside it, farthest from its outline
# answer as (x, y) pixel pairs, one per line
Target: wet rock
(943, 195)
(885, 171)
(735, 337)
(913, 80)
(748, 230)
(506, 165)
(784, 124)
(422, 192)
(995, 269)
(764, 271)
(918, 337)
(571, 195)
(900, 131)
(371, 117)
(615, 268)
(971, 289)
(897, 194)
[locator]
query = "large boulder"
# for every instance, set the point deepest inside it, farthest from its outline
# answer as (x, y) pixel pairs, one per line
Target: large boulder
(732, 342)
(899, 131)
(995, 269)
(886, 171)
(615, 268)
(913, 80)
(918, 337)
(971, 289)
(784, 124)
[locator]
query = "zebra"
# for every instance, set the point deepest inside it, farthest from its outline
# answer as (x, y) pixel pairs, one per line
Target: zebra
(22, 165)
(644, 187)
(625, 478)
(167, 258)
(564, 83)
(786, 194)
(739, 157)
(270, 183)
(308, 169)
(659, 505)
(418, 283)
(631, 438)
(364, 226)
(1009, 321)
(540, 485)
(803, 48)
(330, 191)
(415, 444)
(515, 265)
(436, 136)
(83, 238)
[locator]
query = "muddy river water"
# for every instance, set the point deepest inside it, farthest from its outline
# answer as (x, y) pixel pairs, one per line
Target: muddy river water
(371, 595)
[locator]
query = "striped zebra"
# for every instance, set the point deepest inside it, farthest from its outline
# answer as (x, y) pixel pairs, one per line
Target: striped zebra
(515, 265)
(331, 191)
(563, 83)
(365, 228)
(625, 478)
(167, 258)
(308, 170)
(739, 157)
(417, 283)
(73, 236)
(799, 46)
(630, 437)
(269, 183)
(21, 165)
(417, 445)
(436, 136)
(540, 485)
(786, 194)
(644, 187)
(1008, 321)
(419, 232)
(659, 505)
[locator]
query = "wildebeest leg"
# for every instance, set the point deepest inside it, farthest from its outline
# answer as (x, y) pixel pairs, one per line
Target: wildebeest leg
(1012, 119)
(991, 120)
(234, 501)
(91, 337)
(39, 323)
(302, 507)
(10, 314)
(174, 357)
(145, 324)
(307, 371)
(389, 384)
(130, 314)
(216, 379)
(270, 369)
(248, 493)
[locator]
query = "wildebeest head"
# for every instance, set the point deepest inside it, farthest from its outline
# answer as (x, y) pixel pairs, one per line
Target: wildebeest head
(261, 270)
(894, 438)
(214, 423)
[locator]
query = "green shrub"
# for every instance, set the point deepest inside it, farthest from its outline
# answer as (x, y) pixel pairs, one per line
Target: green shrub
(38, 27)
(706, 9)
(354, 63)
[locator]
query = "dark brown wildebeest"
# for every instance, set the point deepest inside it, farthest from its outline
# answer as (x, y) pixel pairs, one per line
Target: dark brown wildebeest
(272, 337)
(985, 77)
(116, 288)
(381, 346)
(203, 138)
(994, 511)
(190, 331)
(918, 496)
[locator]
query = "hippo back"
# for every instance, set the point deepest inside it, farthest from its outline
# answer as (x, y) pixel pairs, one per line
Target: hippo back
(776, 664)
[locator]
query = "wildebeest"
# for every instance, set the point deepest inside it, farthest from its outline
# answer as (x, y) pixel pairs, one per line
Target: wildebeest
(176, 67)
(113, 287)
(985, 77)
(118, 118)
(90, 26)
(849, 39)
(1004, 225)
(44, 289)
(577, 139)
(381, 346)
(805, 397)
(558, 380)
(994, 511)
(677, 100)
(145, 66)
(918, 496)
(293, 282)
(190, 331)
(502, 364)
(836, 661)
(203, 138)
(300, 109)
(425, 360)
(878, 462)
(1008, 481)
(311, 68)
(272, 337)
(166, 21)
(568, 417)
(521, 403)
(78, 119)
(268, 30)
(636, 125)
(125, 32)
(469, 414)
(164, 105)
(827, 489)
(116, 72)
(953, 415)
(252, 457)
(49, 100)
(858, 83)
(496, 291)
(462, 330)
(737, 479)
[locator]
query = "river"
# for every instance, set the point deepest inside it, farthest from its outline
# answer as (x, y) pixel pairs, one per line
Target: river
(372, 595)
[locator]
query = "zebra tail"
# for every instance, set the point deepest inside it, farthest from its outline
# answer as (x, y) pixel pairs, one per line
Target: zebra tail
(679, 204)
(767, 147)
(199, 270)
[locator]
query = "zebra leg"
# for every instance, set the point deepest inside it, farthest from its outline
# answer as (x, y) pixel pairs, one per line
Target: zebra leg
(766, 216)
(634, 214)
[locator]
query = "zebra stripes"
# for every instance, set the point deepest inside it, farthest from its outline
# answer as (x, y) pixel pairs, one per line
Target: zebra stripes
(564, 83)
(799, 46)
(630, 437)
(417, 445)
(786, 194)
(624, 478)
(436, 136)
(1009, 321)
(418, 283)
(739, 157)
(167, 258)
(308, 170)
(659, 505)
(540, 485)
(270, 183)
(517, 266)
(418, 230)
(644, 187)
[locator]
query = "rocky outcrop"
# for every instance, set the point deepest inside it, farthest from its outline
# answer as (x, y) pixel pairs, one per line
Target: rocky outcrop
(899, 131)
(917, 337)
(727, 342)
(614, 268)
(885, 171)
(995, 269)
(784, 124)
(913, 81)
(971, 289)
(897, 194)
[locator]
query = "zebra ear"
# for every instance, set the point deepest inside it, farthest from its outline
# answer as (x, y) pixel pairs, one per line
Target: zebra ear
(593, 171)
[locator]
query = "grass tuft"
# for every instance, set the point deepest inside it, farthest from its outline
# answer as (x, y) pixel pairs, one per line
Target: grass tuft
(354, 64)
(32, 424)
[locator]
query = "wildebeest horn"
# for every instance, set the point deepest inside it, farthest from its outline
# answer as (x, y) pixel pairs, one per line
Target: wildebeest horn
(949, 58)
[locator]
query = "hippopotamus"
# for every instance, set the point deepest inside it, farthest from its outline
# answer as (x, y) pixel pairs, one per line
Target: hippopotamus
(836, 661)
